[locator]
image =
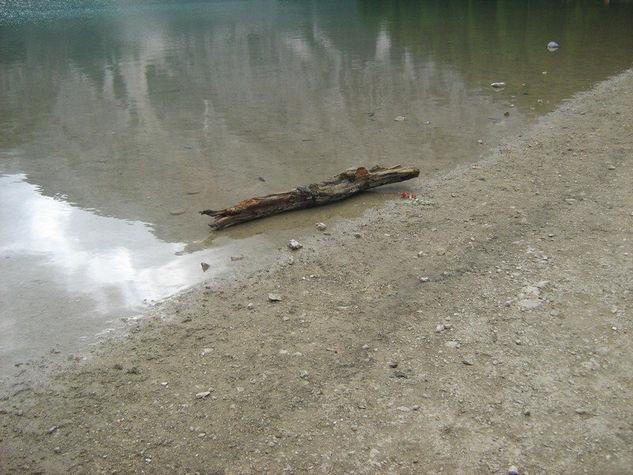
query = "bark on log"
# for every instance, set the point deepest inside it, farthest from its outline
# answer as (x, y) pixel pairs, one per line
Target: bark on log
(344, 185)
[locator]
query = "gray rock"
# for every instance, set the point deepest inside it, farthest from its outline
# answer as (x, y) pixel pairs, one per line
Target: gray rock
(424, 279)
(304, 374)
(203, 394)
(294, 245)
(205, 266)
(274, 298)
(498, 85)
(321, 226)
(552, 46)
(513, 470)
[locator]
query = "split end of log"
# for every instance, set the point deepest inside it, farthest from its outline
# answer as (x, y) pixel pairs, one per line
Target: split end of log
(344, 185)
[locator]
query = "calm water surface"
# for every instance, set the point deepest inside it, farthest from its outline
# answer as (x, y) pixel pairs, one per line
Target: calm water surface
(120, 120)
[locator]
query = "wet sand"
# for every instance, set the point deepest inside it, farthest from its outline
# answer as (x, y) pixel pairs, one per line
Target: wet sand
(484, 326)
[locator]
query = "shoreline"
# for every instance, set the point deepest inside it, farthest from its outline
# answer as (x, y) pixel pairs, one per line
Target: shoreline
(491, 329)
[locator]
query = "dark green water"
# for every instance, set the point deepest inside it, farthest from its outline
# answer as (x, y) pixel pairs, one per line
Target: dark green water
(120, 120)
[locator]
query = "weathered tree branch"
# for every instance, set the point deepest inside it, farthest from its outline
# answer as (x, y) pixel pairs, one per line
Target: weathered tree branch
(344, 185)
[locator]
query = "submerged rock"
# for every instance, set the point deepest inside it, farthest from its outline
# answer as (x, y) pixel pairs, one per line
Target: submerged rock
(553, 46)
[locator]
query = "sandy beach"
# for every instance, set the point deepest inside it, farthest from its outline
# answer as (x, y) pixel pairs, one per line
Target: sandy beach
(482, 327)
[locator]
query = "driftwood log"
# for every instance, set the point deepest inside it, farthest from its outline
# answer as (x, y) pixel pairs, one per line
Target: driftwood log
(342, 186)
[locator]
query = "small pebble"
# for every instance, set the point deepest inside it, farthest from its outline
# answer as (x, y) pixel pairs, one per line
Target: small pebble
(203, 394)
(237, 258)
(204, 266)
(321, 226)
(274, 298)
(400, 374)
(513, 470)
(294, 244)
(304, 374)
(57, 450)
(393, 364)
(424, 279)
(177, 212)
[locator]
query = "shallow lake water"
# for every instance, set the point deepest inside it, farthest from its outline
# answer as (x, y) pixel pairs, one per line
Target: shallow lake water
(119, 121)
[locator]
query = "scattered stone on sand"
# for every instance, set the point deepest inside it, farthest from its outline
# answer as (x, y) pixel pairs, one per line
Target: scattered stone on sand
(451, 344)
(274, 297)
(177, 212)
(205, 266)
(294, 245)
(203, 394)
(393, 364)
(513, 470)
(304, 374)
(321, 226)
(529, 304)
(400, 118)
(498, 85)
(424, 279)
(400, 374)
(237, 258)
